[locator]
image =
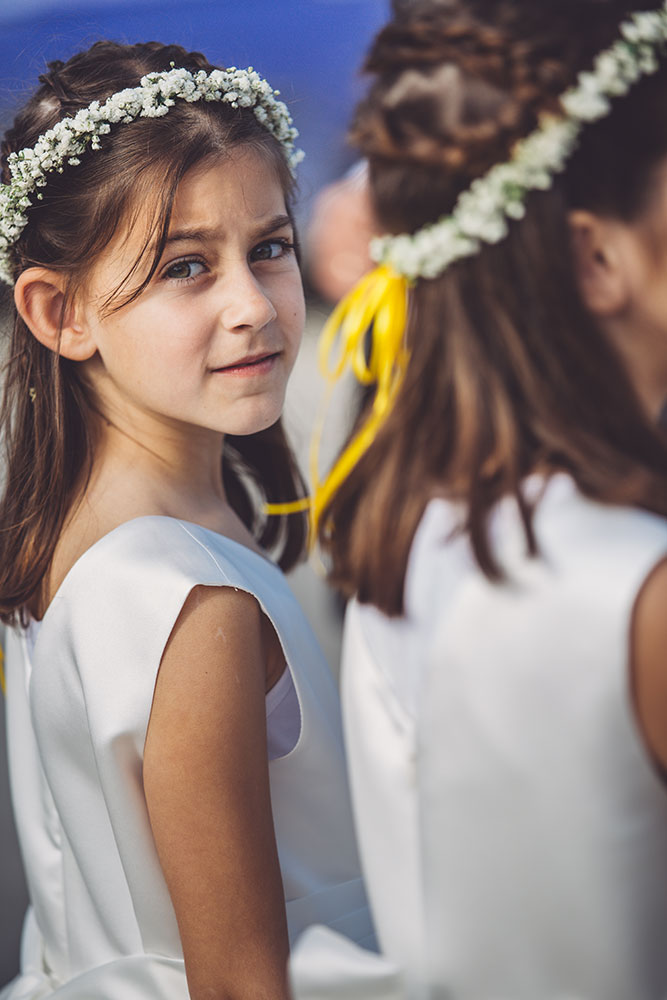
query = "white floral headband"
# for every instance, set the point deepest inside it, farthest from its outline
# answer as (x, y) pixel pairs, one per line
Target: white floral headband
(157, 92)
(482, 212)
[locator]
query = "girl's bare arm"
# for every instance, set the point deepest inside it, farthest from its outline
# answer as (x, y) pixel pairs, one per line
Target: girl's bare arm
(207, 789)
(649, 661)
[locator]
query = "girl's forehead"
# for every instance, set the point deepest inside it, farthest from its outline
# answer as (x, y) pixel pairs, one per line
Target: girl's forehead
(239, 187)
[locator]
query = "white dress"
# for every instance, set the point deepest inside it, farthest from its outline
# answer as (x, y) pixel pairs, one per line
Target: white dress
(101, 925)
(512, 827)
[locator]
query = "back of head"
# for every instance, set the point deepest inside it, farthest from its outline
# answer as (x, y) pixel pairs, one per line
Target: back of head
(509, 372)
(130, 176)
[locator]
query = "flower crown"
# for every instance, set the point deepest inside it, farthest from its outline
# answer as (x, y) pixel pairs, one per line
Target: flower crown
(157, 92)
(482, 214)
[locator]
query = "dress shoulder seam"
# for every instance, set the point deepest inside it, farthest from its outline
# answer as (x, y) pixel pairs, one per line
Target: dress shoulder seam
(205, 549)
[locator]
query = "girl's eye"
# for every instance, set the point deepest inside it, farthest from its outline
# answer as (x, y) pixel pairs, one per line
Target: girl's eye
(271, 250)
(182, 270)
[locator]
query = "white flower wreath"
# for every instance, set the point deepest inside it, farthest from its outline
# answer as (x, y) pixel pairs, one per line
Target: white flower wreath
(64, 144)
(483, 211)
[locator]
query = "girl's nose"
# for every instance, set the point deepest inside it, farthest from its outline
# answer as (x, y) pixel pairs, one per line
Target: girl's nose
(246, 305)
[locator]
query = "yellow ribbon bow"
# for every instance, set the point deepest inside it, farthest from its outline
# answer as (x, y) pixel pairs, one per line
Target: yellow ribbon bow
(376, 306)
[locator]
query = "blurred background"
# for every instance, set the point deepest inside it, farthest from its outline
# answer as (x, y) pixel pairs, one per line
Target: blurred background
(312, 50)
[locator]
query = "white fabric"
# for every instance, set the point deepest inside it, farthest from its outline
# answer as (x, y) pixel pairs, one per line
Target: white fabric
(512, 826)
(283, 716)
(102, 926)
(328, 966)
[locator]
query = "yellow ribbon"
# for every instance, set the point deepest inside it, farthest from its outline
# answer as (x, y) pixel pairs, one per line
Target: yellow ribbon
(378, 303)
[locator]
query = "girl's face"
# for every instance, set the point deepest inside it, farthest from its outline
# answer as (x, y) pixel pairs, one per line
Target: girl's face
(212, 339)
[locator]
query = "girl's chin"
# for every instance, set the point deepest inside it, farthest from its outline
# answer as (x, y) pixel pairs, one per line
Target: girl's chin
(243, 428)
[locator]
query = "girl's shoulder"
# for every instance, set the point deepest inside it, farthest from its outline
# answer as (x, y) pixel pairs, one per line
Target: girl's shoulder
(147, 550)
(116, 609)
(571, 530)
(137, 577)
(613, 544)
(591, 563)
(591, 557)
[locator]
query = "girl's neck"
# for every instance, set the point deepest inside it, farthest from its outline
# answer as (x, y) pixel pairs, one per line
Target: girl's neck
(168, 469)
(162, 455)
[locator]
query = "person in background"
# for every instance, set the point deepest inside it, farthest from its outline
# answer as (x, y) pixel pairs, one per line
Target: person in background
(339, 231)
(500, 517)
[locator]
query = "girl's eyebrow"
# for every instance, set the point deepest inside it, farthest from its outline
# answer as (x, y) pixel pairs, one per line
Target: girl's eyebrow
(204, 233)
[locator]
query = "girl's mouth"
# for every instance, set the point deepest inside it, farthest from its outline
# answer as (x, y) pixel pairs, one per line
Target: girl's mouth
(257, 365)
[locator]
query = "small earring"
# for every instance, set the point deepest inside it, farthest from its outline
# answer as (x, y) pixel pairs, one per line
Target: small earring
(32, 392)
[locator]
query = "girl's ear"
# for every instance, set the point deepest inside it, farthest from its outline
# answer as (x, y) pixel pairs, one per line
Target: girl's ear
(39, 295)
(598, 250)
(605, 257)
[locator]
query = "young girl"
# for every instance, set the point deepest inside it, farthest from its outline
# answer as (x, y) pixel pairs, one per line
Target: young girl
(505, 532)
(175, 753)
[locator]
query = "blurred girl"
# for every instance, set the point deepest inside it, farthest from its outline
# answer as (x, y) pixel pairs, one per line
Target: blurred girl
(500, 516)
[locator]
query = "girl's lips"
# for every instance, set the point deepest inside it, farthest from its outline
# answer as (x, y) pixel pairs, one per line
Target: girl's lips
(258, 365)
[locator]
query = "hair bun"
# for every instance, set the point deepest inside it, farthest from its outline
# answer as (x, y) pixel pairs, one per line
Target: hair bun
(53, 67)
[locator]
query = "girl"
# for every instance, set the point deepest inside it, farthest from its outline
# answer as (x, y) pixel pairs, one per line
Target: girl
(507, 650)
(157, 660)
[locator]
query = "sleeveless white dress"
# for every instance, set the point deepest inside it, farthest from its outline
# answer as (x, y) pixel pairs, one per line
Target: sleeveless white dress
(512, 827)
(101, 925)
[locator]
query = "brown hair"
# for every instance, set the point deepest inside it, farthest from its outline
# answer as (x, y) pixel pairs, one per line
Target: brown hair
(508, 372)
(46, 410)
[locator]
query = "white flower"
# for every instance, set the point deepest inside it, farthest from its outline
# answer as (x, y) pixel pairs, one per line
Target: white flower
(644, 26)
(648, 61)
(585, 103)
(607, 72)
(515, 209)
